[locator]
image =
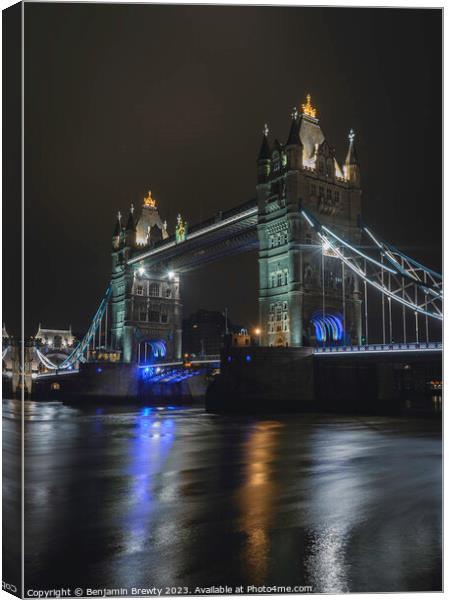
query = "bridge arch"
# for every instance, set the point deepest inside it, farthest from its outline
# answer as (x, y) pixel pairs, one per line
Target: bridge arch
(150, 350)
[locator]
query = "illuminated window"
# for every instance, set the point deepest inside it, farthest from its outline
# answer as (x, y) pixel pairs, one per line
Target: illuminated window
(154, 289)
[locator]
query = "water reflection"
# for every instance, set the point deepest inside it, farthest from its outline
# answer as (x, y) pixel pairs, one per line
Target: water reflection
(336, 504)
(257, 495)
(120, 496)
(374, 508)
(149, 447)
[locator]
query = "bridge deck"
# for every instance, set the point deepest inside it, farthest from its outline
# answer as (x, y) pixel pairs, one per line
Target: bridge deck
(380, 348)
(227, 233)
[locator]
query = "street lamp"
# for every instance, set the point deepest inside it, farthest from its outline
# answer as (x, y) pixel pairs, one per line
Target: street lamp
(171, 275)
(258, 331)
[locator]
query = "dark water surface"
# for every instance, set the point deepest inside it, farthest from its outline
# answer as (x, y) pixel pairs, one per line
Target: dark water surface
(140, 497)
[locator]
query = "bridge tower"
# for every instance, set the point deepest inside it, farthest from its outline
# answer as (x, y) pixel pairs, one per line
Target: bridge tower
(304, 292)
(145, 302)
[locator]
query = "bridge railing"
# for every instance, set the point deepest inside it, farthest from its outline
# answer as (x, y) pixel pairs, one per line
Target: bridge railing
(374, 348)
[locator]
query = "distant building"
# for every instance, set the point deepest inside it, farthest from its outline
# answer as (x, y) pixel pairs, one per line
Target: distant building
(55, 339)
(241, 338)
(204, 332)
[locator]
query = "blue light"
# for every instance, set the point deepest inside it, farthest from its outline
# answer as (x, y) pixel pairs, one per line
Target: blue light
(229, 359)
(248, 358)
(99, 369)
(328, 328)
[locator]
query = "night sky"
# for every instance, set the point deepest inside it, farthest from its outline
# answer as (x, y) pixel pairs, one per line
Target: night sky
(125, 98)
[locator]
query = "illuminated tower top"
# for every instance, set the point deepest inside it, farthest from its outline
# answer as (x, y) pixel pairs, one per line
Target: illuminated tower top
(150, 227)
(149, 200)
(307, 108)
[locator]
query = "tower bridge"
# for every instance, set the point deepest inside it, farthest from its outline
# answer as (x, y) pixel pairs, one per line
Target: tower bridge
(318, 263)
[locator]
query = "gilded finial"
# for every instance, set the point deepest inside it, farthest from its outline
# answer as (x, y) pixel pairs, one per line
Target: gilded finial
(265, 130)
(119, 217)
(294, 114)
(149, 200)
(307, 108)
(351, 135)
(132, 209)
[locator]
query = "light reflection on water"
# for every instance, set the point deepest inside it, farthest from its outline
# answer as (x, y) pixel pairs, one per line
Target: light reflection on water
(173, 496)
(256, 497)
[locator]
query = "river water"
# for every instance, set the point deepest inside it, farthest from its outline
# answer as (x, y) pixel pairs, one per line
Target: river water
(125, 497)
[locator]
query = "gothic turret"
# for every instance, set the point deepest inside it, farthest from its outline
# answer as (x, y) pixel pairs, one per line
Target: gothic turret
(294, 146)
(351, 168)
(117, 232)
(264, 158)
(130, 232)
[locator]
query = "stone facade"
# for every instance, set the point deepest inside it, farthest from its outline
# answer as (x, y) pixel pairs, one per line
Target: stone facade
(293, 265)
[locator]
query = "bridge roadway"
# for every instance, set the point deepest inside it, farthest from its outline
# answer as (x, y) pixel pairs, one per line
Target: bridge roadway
(227, 233)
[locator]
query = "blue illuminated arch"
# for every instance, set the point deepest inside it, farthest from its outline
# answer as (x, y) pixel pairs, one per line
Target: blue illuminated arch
(151, 350)
(328, 327)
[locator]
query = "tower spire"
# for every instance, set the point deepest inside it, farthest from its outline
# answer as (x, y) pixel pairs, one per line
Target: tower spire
(351, 167)
(118, 225)
(351, 156)
(130, 225)
(265, 152)
(293, 136)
